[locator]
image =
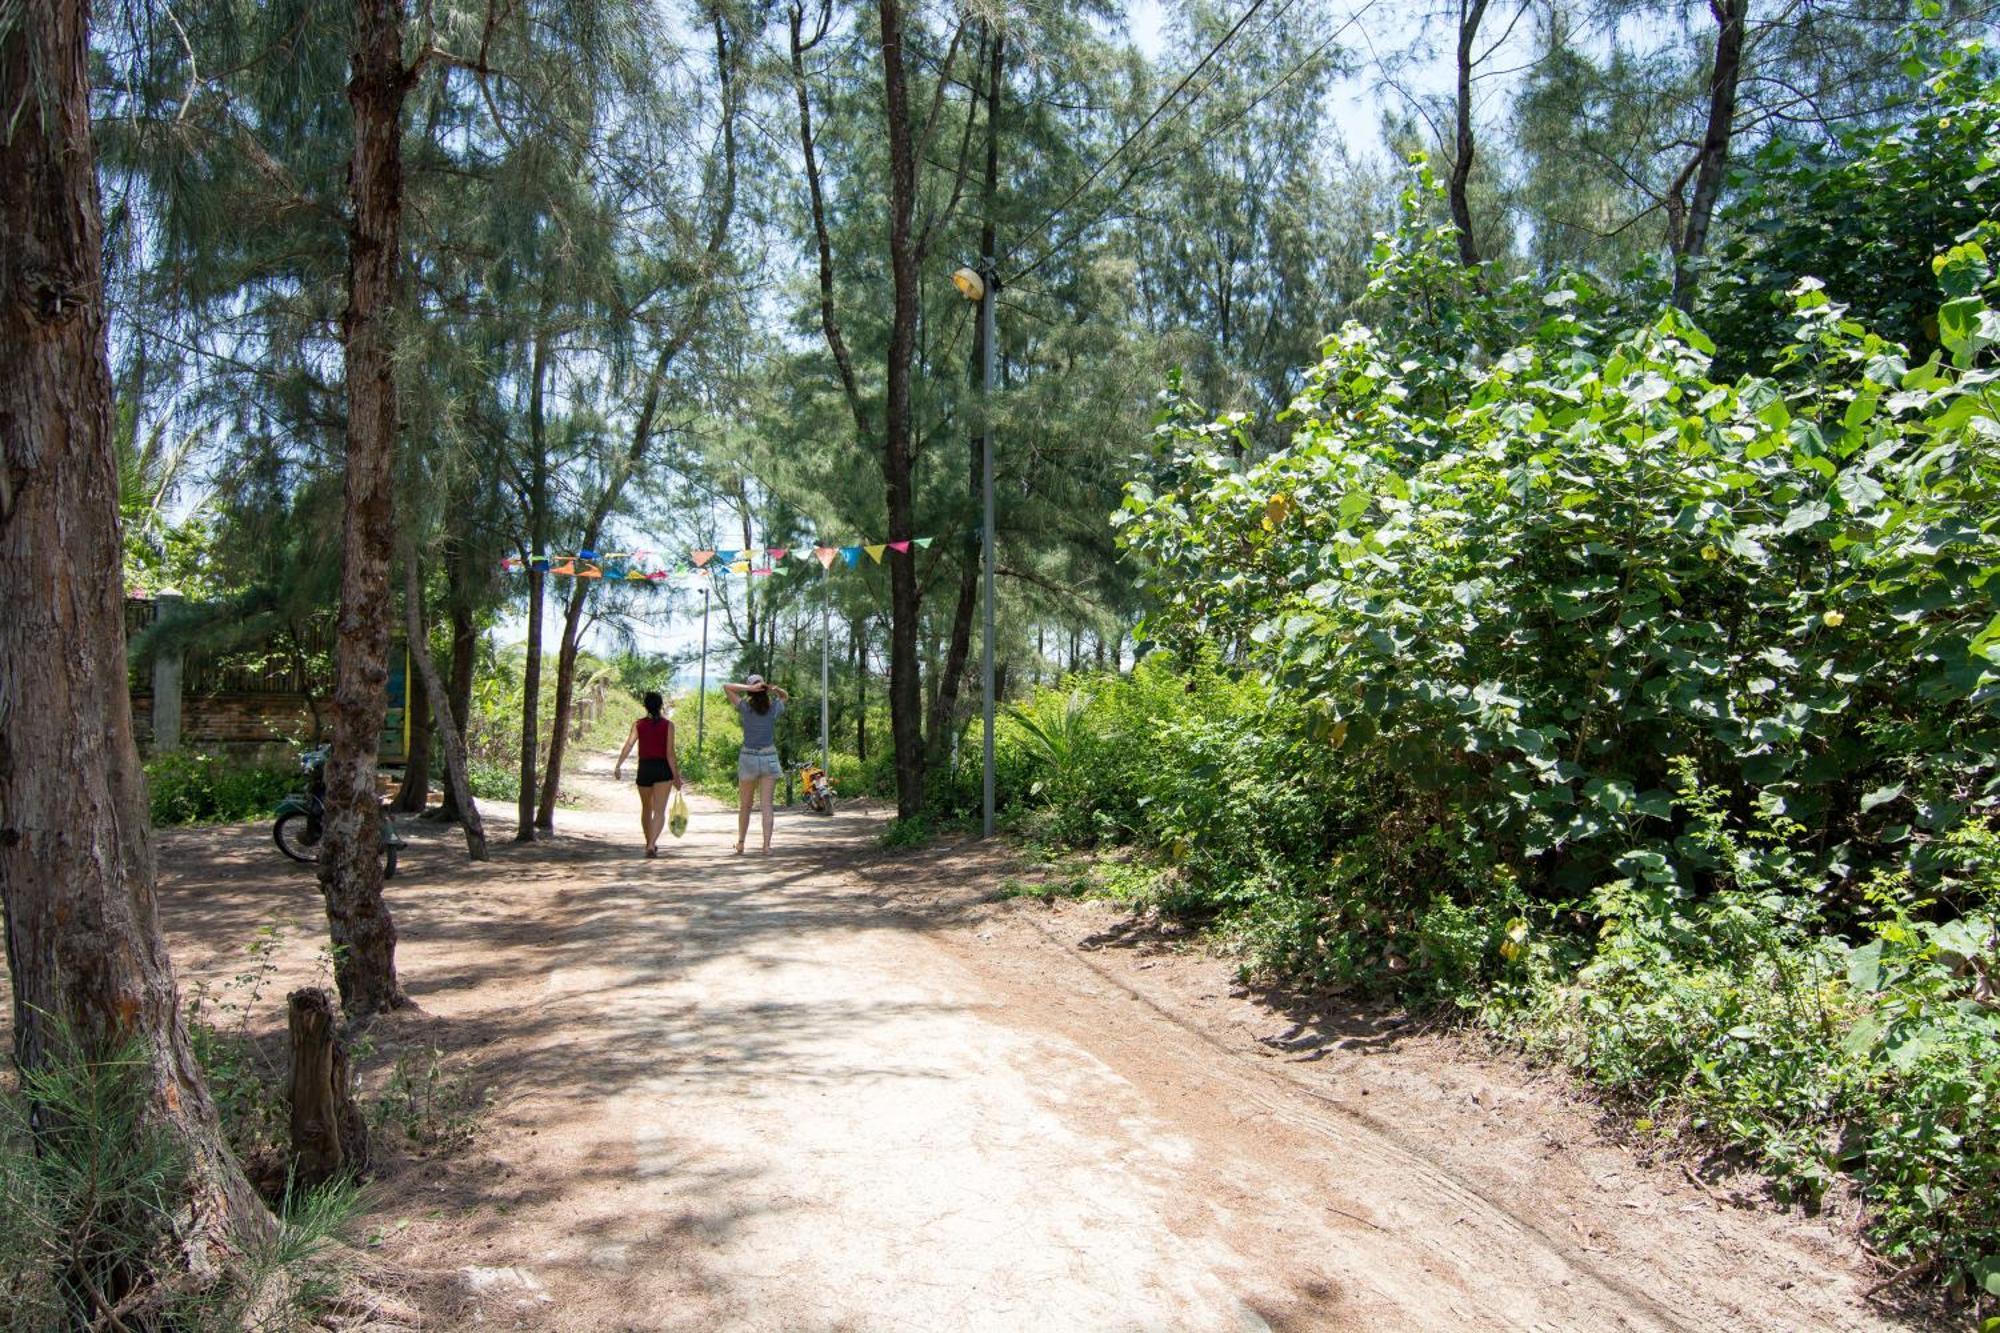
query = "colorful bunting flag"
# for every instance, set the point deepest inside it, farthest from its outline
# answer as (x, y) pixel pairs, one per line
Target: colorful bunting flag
(629, 567)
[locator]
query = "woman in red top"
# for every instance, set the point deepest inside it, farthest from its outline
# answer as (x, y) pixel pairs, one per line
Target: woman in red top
(659, 771)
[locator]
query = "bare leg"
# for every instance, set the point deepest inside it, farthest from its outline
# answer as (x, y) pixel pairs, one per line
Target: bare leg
(766, 787)
(646, 815)
(656, 814)
(746, 795)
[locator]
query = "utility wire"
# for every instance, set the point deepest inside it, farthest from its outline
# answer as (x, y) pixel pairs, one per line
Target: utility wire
(1145, 124)
(1248, 107)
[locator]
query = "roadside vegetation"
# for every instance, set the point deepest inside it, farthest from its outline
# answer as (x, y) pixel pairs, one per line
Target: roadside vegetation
(1646, 714)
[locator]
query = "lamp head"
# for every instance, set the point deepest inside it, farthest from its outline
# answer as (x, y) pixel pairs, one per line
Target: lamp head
(970, 285)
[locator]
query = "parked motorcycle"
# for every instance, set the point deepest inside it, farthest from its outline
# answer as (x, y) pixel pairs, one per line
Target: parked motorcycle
(818, 787)
(299, 824)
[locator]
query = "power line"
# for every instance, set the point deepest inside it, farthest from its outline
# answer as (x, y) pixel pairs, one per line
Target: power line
(1248, 107)
(1151, 116)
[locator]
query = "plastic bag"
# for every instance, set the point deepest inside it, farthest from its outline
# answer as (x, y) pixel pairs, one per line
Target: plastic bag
(677, 814)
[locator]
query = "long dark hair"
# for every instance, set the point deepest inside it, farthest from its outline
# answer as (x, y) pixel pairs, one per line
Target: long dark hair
(653, 704)
(760, 698)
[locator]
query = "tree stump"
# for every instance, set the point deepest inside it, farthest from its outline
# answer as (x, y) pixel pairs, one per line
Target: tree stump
(329, 1137)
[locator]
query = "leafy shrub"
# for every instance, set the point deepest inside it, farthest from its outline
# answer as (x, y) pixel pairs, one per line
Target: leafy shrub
(1863, 215)
(493, 782)
(188, 787)
(1610, 698)
(1741, 1014)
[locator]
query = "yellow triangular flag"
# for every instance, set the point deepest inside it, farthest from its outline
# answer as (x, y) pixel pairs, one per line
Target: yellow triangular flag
(875, 552)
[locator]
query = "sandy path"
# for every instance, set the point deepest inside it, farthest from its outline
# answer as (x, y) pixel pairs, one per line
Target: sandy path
(829, 1090)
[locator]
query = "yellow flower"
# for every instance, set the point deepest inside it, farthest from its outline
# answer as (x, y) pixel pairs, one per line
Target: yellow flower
(1833, 620)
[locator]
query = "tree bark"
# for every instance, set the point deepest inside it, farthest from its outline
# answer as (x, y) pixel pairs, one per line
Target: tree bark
(538, 536)
(861, 689)
(1731, 18)
(350, 866)
(456, 781)
(329, 1137)
(905, 603)
(84, 951)
(414, 794)
(464, 655)
(1469, 16)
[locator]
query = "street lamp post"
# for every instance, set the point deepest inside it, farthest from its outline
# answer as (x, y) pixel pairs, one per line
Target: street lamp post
(984, 286)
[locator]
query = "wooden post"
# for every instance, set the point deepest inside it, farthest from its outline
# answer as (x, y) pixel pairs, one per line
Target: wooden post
(329, 1137)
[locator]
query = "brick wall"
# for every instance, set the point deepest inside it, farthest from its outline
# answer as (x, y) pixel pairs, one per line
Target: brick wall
(232, 721)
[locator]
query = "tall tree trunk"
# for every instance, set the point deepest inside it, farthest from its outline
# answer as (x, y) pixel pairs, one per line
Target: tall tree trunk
(84, 950)
(414, 793)
(538, 536)
(449, 736)
(566, 650)
(1731, 18)
(350, 865)
(861, 689)
(959, 651)
(464, 652)
(643, 429)
(905, 603)
(1470, 12)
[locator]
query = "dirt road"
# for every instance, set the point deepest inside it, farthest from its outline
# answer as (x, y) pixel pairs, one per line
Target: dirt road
(833, 1089)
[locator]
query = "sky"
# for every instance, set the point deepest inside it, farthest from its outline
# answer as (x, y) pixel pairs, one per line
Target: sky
(1354, 111)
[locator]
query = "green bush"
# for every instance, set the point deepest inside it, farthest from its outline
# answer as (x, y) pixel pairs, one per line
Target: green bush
(188, 787)
(1652, 715)
(1739, 1013)
(493, 782)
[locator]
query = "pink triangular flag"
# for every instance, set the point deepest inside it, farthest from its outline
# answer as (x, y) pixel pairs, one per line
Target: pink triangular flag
(701, 558)
(777, 553)
(899, 547)
(826, 555)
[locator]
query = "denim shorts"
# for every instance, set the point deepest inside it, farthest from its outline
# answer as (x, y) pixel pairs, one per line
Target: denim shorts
(758, 764)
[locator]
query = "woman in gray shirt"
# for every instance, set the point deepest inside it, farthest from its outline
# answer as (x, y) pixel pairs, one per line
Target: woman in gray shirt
(758, 706)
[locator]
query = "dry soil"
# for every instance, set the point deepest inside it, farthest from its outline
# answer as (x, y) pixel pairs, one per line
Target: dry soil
(838, 1088)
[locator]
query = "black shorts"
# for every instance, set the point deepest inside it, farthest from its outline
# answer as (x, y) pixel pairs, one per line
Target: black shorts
(654, 770)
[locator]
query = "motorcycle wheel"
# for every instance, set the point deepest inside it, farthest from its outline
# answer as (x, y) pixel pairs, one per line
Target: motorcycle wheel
(291, 835)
